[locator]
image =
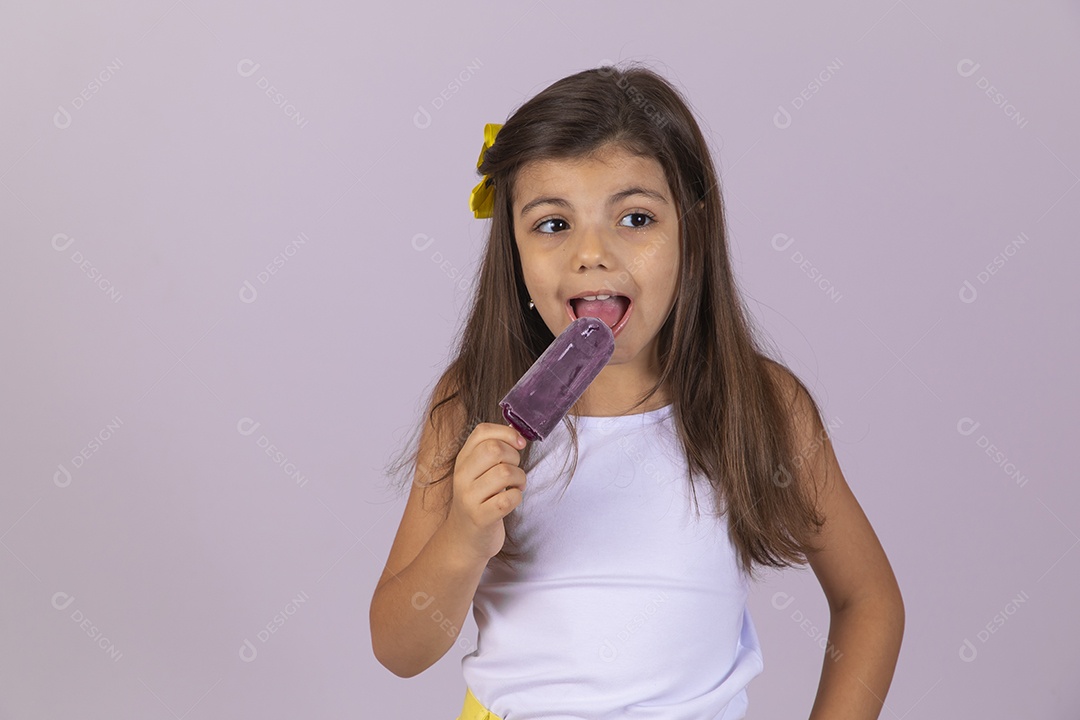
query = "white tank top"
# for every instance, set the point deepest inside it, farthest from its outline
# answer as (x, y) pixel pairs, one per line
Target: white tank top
(626, 603)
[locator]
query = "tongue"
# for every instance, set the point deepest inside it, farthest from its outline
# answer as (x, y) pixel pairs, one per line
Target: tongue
(610, 310)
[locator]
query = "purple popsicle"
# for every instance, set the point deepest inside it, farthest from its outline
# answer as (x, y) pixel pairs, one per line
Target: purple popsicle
(548, 389)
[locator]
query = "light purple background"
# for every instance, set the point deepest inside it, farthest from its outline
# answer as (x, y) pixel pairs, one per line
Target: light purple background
(183, 187)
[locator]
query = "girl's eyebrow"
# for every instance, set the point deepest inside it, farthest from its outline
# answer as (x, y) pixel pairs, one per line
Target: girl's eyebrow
(622, 194)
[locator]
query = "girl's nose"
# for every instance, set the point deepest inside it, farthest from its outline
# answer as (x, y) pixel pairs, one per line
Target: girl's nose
(592, 248)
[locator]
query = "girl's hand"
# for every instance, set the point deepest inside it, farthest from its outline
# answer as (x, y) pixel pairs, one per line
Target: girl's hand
(488, 485)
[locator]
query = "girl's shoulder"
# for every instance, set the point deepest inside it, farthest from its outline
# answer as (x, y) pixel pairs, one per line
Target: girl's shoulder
(787, 385)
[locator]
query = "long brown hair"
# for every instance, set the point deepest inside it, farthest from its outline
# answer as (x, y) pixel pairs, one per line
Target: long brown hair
(730, 410)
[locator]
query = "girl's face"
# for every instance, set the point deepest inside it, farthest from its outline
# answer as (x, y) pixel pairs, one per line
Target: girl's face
(606, 223)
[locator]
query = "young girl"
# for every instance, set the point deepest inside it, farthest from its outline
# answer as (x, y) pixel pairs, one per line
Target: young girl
(608, 591)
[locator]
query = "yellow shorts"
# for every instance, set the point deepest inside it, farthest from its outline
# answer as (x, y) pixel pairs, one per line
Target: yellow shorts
(473, 710)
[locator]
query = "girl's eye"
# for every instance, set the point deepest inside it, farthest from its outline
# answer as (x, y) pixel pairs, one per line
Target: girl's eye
(637, 220)
(639, 216)
(542, 223)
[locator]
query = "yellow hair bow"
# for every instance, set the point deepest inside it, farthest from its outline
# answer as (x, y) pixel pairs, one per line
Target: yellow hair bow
(482, 199)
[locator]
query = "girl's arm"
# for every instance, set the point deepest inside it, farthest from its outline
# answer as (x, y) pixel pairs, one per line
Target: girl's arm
(866, 609)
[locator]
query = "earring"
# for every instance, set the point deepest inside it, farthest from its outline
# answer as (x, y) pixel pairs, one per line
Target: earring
(531, 304)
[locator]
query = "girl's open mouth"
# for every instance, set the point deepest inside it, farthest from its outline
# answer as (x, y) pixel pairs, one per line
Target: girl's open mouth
(614, 311)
